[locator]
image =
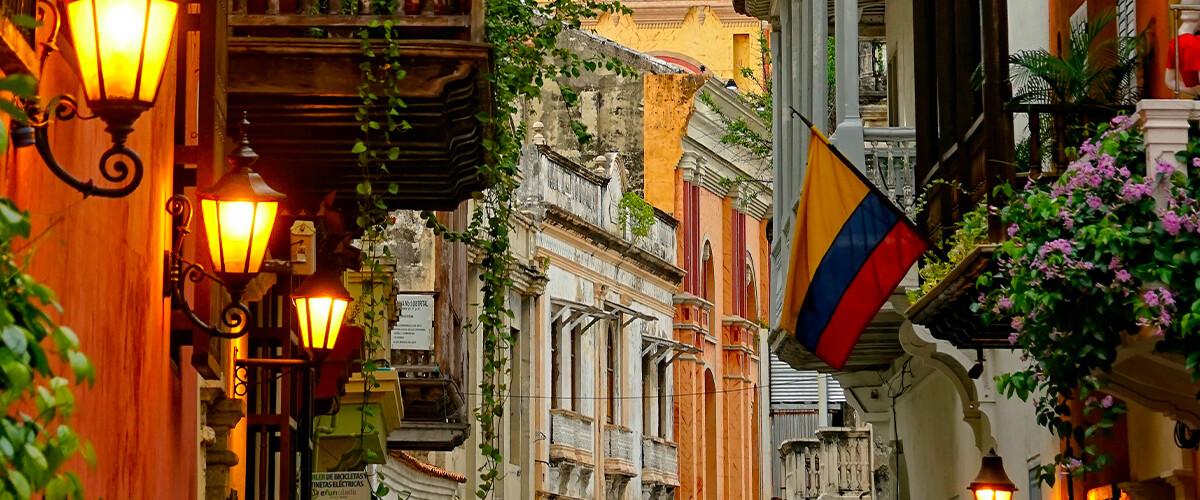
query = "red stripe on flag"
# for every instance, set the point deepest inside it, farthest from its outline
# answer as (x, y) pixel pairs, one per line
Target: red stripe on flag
(871, 288)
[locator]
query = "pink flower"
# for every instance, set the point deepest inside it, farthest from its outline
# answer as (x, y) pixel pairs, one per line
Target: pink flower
(1114, 263)
(1123, 275)
(1150, 298)
(1012, 338)
(1004, 303)
(1196, 162)
(1012, 230)
(1171, 222)
(1107, 402)
(1094, 202)
(1017, 323)
(1167, 298)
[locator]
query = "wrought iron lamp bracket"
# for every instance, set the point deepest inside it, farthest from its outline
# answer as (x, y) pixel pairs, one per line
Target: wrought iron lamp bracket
(241, 366)
(234, 317)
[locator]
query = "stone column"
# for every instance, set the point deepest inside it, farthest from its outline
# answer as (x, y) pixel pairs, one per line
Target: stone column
(1165, 123)
(849, 135)
(220, 415)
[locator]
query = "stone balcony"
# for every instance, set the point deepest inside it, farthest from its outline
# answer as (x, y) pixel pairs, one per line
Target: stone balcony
(572, 470)
(835, 465)
(660, 462)
(620, 448)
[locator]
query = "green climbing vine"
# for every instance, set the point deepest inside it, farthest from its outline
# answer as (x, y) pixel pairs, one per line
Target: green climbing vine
(523, 35)
(36, 439)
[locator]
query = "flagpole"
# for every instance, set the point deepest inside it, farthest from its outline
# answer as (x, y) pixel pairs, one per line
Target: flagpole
(870, 185)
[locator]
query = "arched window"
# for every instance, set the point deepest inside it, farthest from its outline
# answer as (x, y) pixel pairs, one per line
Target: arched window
(708, 279)
(751, 291)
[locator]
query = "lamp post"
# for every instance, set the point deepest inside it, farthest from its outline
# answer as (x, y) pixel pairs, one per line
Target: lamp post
(121, 50)
(992, 483)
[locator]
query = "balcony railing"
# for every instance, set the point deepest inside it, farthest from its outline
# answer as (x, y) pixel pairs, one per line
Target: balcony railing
(571, 429)
(891, 154)
(620, 443)
(1052, 128)
(660, 456)
(344, 15)
(837, 463)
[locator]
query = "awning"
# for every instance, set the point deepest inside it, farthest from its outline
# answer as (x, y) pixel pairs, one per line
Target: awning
(571, 314)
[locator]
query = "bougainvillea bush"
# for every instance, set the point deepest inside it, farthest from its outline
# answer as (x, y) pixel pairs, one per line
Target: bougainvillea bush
(1092, 257)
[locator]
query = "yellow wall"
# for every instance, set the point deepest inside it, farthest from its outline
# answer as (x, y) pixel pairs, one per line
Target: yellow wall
(668, 101)
(713, 36)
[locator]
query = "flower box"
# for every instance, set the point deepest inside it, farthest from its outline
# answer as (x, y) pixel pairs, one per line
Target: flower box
(947, 309)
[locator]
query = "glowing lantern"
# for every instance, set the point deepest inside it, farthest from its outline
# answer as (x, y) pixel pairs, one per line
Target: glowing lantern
(239, 212)
(321, 302)
(122, 49)
(992, 482)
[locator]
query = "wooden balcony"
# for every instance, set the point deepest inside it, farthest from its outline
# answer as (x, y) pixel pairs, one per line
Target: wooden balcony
(295, 69)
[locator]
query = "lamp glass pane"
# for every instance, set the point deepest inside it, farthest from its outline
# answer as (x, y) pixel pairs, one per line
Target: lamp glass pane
(264, 220)
(985, 494)
(335, 326)
(208, 210)
(158, 42)
(1003, 495)
(79, 17)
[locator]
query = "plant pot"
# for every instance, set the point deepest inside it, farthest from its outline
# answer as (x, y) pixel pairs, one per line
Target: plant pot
(946, 309)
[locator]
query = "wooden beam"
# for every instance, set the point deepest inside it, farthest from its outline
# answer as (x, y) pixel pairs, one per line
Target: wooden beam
(321, 21)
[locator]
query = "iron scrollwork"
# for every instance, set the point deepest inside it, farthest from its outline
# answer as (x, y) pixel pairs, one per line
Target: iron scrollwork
(234, 317)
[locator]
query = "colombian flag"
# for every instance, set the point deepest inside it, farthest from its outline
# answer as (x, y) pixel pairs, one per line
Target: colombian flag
(851, 248)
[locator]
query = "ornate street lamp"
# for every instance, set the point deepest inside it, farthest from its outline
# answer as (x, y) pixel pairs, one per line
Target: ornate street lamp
(239, 213)
(121, 48)
(321, 302)
(992, 482)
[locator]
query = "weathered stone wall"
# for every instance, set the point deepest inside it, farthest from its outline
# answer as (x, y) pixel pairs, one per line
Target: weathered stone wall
(609, 105)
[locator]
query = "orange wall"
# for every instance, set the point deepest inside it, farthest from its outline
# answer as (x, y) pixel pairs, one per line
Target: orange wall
(104, 259)
(1151, 19)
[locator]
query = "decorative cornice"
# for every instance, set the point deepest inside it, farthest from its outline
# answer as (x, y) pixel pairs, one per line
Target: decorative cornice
(641, 258)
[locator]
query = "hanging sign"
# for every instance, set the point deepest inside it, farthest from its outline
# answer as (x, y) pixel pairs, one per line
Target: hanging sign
(340, 486)
(414, 329)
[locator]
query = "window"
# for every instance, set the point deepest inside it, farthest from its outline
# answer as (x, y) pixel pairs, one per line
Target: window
(664, 403)
(707, 279)
(576, 350)
(612, 350)
(751, 291)
(555, 364)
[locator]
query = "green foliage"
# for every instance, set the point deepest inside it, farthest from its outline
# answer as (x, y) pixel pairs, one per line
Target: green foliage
(34, 447)
(1091, 259)
(635, 214)
(36, 439)
(970, 232)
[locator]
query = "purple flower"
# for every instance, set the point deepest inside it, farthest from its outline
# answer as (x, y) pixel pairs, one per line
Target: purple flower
(1012, 338)
(1124, 171)
(1123, 275)
(1060, 244)
(1171, 222)
(1114, 263)
(1004, 303)
(1151, 298)
(1196, 162)
(1133, 191)
(1073, 464)
(1094, 201)
(1107, 402)
(1167, 298)
(1017, 323)
(1012, 230)
(1166, 169)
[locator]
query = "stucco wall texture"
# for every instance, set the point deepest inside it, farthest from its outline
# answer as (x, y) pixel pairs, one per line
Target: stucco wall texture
(104, 259)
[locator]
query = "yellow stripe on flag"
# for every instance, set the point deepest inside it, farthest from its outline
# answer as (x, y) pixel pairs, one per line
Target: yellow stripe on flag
(830, 195)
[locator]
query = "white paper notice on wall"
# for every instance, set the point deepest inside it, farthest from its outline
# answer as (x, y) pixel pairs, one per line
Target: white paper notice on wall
(414, 329)
(340, 486)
